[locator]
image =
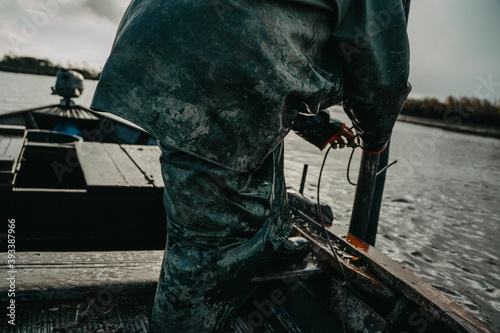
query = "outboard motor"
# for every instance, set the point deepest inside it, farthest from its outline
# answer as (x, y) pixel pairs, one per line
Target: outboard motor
(69, 84)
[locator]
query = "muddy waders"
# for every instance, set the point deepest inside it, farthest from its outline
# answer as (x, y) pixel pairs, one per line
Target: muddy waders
(218, 224)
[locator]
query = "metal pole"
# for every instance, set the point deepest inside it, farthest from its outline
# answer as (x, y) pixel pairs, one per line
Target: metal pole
(371, 233)
(303, 180)
(363, 198)
(368, 198)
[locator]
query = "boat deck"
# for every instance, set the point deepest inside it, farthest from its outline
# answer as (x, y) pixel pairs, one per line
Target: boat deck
(113, 291)
(107, 165)
(111, 193)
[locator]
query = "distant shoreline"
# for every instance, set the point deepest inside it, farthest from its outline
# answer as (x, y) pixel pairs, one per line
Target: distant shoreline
(8, 70)
(482, 130)
(456, 126)
(35, 66)
(44, 73)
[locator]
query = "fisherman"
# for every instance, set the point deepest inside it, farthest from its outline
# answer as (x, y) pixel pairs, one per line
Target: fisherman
(220, 84)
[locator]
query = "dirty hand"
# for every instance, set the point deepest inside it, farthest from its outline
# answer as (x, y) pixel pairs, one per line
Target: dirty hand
(344, 137)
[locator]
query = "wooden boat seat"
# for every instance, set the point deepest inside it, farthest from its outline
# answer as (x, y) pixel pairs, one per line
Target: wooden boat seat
(107, 165)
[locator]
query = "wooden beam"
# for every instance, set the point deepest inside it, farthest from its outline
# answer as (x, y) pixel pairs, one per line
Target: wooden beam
(98, 168)
(66, 275)
(107, 165)
(12, 144)
(147, 158)
(127, 167)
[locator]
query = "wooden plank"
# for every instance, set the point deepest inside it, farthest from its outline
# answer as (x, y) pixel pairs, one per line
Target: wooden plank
(59, 275)
(147, 158)
(12, 130)
(4, 144)
(98, 168)
(132, 174)
(66, 275)
(14, 149)
(11, 146)
(12, 143)
(357, 276)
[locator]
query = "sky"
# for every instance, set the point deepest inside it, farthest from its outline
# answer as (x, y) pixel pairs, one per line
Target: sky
(455, 44)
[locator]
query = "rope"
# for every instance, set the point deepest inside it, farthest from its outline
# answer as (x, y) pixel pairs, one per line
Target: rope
(327, 237)
(346, 284)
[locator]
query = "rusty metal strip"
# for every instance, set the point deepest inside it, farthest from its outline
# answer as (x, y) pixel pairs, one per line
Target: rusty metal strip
(356, 276)
(394, 276)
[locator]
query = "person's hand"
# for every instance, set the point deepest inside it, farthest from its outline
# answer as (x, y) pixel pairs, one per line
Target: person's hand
(345, 137)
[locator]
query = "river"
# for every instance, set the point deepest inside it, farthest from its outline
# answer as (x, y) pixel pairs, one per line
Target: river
(440, 216)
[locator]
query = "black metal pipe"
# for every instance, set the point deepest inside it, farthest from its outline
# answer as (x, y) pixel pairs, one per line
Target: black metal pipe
(371, 232)
(363, 199)
(303, 180)
(368, 198)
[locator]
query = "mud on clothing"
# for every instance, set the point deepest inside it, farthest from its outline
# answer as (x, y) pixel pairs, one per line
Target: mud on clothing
(218, 224)
(220, 84)
(199, 74)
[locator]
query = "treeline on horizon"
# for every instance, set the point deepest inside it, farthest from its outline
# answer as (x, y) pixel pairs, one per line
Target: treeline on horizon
(31, 65)
(456, 111)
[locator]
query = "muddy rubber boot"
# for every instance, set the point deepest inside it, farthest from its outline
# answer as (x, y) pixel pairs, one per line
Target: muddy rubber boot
(292, 250)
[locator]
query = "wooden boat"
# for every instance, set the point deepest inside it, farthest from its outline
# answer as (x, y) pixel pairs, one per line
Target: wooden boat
(90, 228)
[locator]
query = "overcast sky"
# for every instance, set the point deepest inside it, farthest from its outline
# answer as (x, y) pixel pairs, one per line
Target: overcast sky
(455, 44)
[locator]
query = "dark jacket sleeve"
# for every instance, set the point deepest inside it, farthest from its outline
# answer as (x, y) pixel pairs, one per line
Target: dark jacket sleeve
(373, 47)
(317, 129)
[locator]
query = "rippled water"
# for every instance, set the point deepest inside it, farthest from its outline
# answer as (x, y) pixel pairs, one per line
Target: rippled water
(24, 91)
(441, 212)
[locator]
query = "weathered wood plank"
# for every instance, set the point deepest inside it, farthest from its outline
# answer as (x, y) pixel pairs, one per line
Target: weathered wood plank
(358, 277)
(147, 159)
(64, 275)
(4, 143)
(98, 168)
(12, 143)
(15, 148)
(71, 274)
(132, 174)
(13, 130)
